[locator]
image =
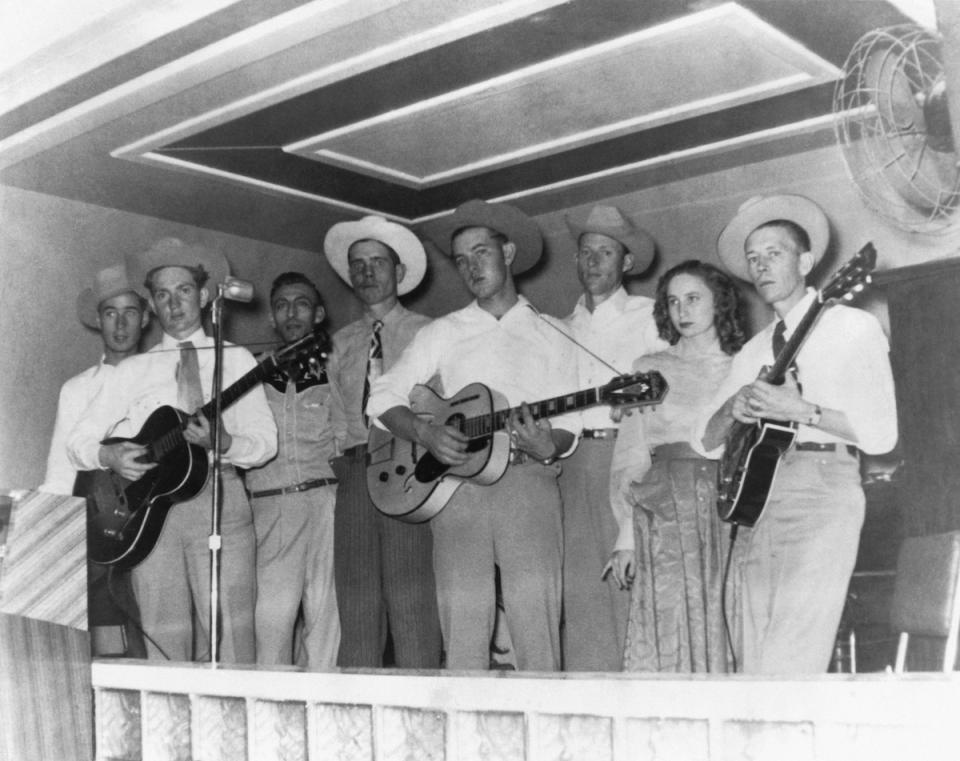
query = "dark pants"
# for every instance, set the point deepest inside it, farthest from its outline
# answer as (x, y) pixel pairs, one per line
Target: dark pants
(384, 576)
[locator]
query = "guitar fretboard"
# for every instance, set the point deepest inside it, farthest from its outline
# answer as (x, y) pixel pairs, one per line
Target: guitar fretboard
(485, 425)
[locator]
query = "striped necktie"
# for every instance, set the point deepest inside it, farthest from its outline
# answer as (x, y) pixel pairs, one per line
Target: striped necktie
(374, 366)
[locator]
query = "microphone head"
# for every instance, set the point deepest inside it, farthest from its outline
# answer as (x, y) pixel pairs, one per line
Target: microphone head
(235, 289)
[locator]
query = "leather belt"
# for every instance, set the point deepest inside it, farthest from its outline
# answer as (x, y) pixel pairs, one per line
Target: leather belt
(304, 486)
(823, 446)
(599, 433)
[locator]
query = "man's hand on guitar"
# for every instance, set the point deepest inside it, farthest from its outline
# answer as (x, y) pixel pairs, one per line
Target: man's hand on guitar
(124, 459)
(198, 432)
(530, 435)
(445, 442)
(764, 400)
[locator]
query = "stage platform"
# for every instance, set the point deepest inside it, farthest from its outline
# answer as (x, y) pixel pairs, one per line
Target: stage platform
(158, 712)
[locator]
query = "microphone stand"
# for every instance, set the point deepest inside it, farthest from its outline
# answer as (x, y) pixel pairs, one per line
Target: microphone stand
(215, 540)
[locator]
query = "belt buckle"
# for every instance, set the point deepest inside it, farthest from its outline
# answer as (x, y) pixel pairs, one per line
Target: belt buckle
(302, 486)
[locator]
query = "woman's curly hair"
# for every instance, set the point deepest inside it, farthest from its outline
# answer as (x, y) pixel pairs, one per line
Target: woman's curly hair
(728, 306)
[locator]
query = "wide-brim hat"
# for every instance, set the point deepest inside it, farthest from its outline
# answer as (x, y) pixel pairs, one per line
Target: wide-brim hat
(173, 252)
(339, 238)
(502, 217)
(610, 221)
(759, 210)
(107, 283)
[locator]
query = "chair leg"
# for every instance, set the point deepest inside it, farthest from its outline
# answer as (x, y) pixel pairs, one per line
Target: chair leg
(852, 645)
(901, 652)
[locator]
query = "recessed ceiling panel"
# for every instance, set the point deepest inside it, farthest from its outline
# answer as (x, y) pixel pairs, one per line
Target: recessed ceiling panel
(696, 65)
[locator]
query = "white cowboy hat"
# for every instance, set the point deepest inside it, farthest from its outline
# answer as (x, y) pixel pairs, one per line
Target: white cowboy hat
(502, 217)
(610, 221)
(107, 283)
(173, 252)
(762, 209)
(408, 247)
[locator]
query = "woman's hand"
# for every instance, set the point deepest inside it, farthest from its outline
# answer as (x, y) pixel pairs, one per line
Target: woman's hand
(621, 565)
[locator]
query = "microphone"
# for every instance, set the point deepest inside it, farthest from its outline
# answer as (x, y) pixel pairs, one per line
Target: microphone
(235, 289)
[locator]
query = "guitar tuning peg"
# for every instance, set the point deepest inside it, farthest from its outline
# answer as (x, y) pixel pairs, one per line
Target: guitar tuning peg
(869, 279)
(616, 414)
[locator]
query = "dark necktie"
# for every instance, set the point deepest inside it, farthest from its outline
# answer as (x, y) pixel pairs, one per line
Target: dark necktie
(778, 338)
(374, 367)
(189, 390)
(779, 342)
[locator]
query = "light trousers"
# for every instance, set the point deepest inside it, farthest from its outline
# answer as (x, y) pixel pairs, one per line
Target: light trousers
(294, 572)
(516, 524)
(798, 563)
(172, 585)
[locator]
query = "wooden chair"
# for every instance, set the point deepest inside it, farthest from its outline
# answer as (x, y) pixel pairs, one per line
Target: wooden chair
(926, 596)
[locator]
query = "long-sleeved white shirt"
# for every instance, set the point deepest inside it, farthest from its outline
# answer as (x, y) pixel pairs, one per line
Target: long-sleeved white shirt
(519, 355)
(618, 330)
(844, 365)
(147, 381)
(75, 394)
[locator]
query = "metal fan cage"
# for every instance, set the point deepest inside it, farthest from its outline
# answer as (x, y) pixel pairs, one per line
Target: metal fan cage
(892, 124)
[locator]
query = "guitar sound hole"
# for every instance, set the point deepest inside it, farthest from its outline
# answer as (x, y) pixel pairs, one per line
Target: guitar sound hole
(401, 469)
(384, 476)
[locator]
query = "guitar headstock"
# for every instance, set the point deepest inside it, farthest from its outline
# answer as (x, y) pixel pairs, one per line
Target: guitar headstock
(634, 390)
(852, 277)
(304, 350)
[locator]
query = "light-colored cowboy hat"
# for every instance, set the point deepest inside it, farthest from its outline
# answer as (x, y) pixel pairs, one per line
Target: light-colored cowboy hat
(107, 283)
(610, 221)
(173, 252)
(762, 209)
(505, 219)
(336, 245)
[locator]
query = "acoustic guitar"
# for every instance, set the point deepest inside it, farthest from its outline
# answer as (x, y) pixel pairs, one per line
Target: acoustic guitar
(407, 482)
(754, 450)
(124, 518)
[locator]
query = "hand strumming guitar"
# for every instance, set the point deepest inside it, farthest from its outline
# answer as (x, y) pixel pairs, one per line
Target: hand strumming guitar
(198, 432)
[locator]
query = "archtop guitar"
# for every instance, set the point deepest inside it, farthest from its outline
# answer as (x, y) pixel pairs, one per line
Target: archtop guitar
(754, 450)
(407, 482)
(124, 518)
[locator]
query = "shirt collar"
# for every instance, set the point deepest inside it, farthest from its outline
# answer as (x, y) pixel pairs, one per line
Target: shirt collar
(617, 302)
(793, 317)
(389, 318)
(198, 338)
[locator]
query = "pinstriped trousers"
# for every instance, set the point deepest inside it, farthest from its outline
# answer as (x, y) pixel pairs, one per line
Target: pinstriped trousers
(384, 577)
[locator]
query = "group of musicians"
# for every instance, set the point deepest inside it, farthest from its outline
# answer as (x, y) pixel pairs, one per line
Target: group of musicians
(583, 533)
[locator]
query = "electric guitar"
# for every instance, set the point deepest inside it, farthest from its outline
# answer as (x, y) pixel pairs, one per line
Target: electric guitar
(407, 482)
(754, 450)
(124, 518)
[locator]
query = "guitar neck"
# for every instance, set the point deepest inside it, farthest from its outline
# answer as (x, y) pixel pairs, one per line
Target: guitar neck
(172, 439)
(241, 386)
(788, 354)
(484, 425)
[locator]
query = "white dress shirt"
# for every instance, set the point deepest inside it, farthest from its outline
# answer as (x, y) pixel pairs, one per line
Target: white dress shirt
(75, 395)
(618, 330)
(145, 382)
(519, 355)
(844, 365)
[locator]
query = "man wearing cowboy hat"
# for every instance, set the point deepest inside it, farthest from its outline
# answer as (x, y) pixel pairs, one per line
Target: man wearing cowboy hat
(616, 328)
(113, 308)
(293, 494)
(502, 341)
(383, 568)
(172, 584)
(801, 553)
